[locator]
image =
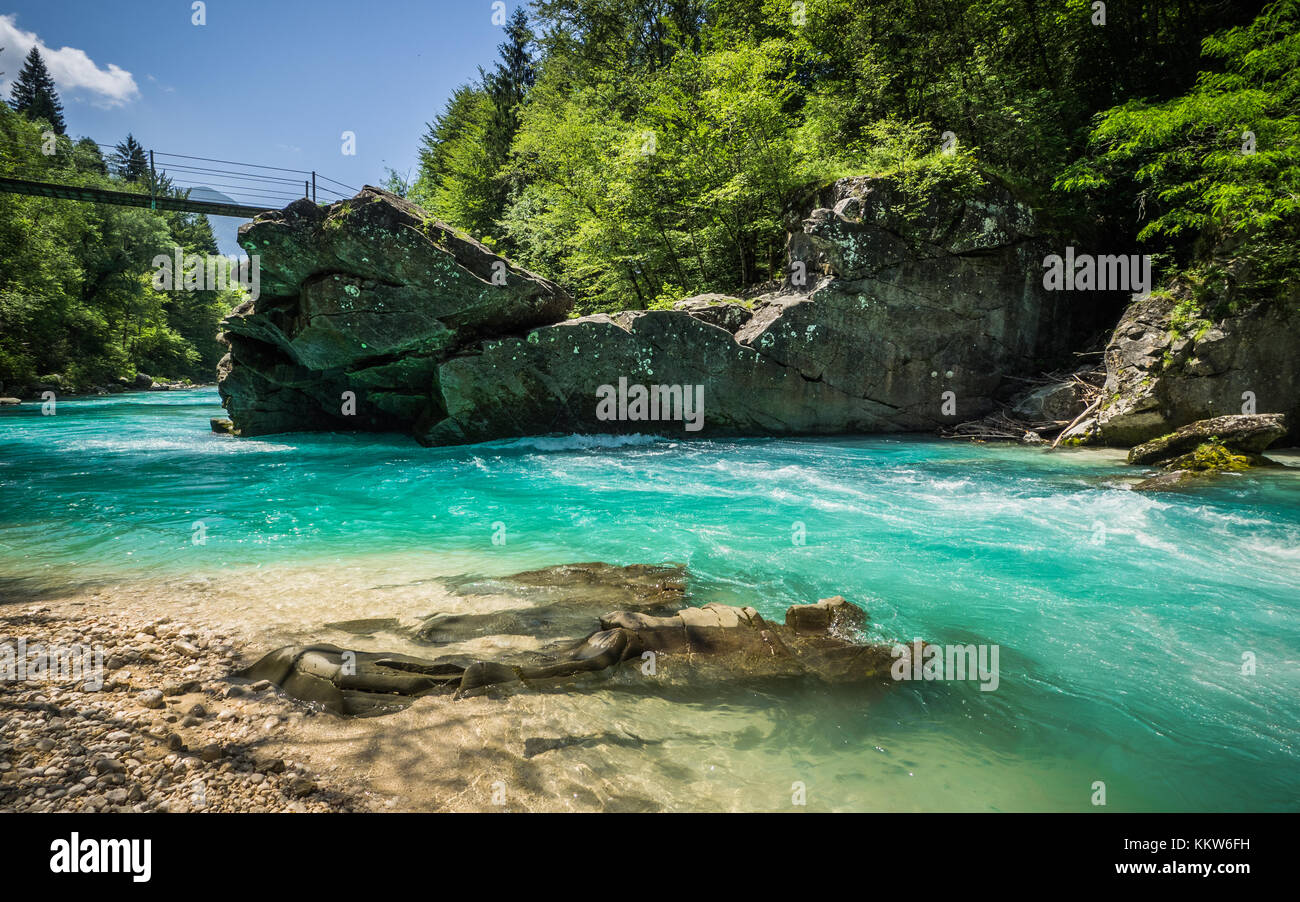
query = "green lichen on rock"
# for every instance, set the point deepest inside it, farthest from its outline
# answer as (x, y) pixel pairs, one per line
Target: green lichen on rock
(368, 296)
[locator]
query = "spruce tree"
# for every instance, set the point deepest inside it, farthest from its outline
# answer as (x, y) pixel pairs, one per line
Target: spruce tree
(130, 162)
(193, 231)
(34, 94)
(506, 87)
(509, 83)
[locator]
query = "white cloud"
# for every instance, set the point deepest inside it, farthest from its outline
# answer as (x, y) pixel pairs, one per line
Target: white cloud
(72, 69)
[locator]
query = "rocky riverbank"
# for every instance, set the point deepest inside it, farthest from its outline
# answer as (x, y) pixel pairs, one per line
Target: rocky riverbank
(166, 731)
(183, 716)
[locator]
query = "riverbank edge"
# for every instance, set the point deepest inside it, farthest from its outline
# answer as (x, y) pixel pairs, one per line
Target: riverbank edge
(159, 726)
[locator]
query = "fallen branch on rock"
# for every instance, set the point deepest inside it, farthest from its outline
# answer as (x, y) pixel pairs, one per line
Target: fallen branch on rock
(1087, 410)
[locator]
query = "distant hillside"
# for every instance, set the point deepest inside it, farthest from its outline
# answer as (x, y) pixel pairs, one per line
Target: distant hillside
(224, 228)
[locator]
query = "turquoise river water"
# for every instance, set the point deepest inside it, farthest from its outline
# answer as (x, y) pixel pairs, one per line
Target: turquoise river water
(1123, 618)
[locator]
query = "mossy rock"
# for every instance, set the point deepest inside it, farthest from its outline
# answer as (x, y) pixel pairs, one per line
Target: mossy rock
(1243, 434)
(1213, 456)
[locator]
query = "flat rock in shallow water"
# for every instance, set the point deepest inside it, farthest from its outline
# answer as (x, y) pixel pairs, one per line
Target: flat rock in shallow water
(714, 645)
(1171, 481)
(366, 626)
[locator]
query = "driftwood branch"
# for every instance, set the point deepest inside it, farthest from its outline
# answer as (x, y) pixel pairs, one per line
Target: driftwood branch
(1087, 410)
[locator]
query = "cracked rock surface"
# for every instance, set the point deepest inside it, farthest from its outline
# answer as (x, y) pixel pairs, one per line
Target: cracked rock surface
(368, 296)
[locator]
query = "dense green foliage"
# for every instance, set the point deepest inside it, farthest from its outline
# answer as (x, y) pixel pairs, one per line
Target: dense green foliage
(638, 151)
(1217, 169)
(661, 143)
(77, 307)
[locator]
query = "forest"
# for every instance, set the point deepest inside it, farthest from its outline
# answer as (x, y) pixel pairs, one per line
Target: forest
(78, 310)
(639, 151)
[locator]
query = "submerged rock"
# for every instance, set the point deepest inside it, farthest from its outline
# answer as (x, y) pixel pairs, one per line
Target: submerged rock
(1170, 481)
(559, 602)
(352, 682)
(712, 645)
(365, 627)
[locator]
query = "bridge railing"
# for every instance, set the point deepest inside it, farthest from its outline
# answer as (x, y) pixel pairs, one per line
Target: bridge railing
(226, 187)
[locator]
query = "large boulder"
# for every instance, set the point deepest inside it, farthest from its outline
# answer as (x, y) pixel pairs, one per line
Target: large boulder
(367, 295)
(916, 302)
(718, 309)
(909, 318)
(1164, 372)
(698, 380)
(904, 323)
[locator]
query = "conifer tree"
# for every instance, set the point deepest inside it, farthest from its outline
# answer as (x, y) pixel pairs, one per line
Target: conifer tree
(34, 94)
(506, 87)
(130, 162)
(509, 83)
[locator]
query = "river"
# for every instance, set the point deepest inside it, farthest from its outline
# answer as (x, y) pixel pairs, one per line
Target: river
(1124, 620)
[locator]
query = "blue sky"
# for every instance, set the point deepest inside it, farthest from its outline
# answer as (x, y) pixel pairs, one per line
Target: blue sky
(273, 82)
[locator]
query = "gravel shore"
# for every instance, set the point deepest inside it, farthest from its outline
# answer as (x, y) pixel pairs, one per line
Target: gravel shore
(168, 730)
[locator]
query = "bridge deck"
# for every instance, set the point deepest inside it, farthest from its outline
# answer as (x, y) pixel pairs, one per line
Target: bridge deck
(125, 198)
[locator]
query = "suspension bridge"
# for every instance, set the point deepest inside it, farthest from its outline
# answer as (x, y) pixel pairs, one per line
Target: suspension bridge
(242, 190)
